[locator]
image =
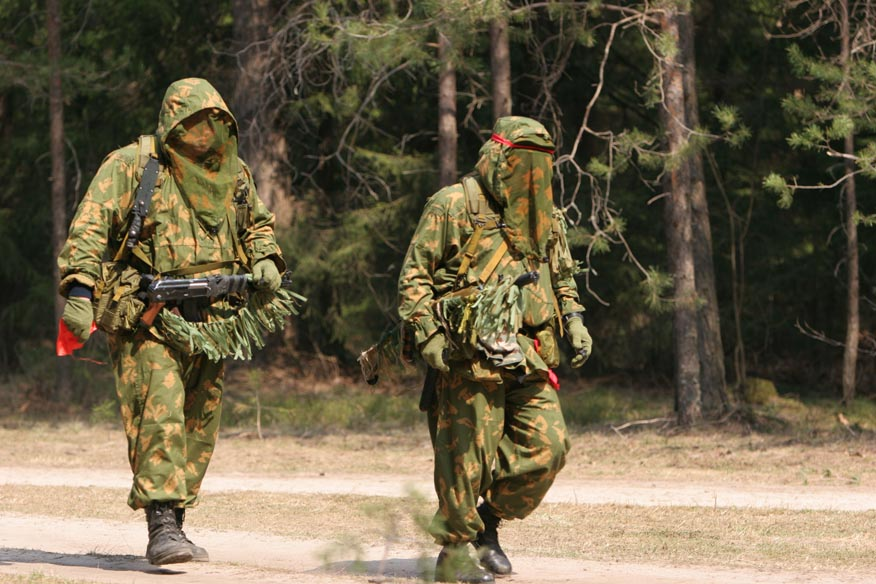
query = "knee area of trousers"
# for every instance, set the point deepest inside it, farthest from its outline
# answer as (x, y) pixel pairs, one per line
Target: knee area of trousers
(557, 454)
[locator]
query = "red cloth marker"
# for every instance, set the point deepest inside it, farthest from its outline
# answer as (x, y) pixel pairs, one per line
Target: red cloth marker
(67, 342)
(552, 376)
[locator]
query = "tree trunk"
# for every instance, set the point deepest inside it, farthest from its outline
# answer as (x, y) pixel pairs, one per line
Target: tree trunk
(262, 145)
(679, 235)
(447, 135)
(711, 349)
(63, 387)
(853, 318)
(500, 67)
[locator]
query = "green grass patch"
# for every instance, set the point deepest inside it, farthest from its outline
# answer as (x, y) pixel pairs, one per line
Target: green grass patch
(601, 405)
(353, 408)
(341, 408)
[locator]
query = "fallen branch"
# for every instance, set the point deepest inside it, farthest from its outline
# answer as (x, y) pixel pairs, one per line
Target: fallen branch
(618, 429)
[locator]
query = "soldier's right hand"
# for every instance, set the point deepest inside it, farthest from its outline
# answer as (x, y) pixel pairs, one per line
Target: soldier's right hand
(78, 316)
(266, 276)
(434, 350)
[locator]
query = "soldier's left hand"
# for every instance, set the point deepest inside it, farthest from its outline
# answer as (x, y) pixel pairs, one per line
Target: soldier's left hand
(265, 275)
(580, 341)
(78, 317)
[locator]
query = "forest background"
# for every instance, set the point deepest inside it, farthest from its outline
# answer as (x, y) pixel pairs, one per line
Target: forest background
(715, 161)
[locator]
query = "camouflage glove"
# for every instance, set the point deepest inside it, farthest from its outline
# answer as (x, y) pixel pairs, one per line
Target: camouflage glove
(434, 350)
(265, 275)
(78, 316)
(580, 340)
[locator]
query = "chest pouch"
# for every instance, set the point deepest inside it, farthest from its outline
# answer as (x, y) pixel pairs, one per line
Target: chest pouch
(116, 302)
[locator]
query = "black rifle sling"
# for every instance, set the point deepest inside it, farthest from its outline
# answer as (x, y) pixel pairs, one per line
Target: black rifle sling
(150, 167)
(142, 202)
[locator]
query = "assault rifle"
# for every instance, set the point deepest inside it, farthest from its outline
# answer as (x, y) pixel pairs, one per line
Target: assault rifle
(159, 291)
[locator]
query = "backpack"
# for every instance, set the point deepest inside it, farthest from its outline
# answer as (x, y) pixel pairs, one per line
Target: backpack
(477, 206)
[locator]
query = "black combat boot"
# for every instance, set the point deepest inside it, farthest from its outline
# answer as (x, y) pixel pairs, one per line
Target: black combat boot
(487, 543)
(459, 563)
(166, 543)
(199, 554)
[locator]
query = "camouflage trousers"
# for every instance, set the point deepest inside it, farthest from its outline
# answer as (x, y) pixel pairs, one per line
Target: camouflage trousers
(171, 407)
(503, 441)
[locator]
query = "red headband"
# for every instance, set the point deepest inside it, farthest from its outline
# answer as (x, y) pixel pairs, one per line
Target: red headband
(510, 144)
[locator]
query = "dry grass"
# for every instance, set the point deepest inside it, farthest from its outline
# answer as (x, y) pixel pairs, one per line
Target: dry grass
(699, 456)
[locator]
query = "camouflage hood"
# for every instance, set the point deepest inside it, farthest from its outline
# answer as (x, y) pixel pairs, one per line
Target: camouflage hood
(198, 135)
(516, 168)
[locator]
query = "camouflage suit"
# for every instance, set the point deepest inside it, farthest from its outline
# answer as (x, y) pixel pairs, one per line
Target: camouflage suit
(171, 401)
(497, 427)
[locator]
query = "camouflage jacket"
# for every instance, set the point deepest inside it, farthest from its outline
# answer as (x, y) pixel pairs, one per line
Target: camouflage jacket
(436, 252)
(172, 237)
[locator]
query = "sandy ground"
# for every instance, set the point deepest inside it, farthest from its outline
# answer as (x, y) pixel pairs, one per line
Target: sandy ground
(110, 551)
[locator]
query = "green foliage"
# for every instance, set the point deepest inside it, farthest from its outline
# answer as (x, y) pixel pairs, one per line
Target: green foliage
(599, 169)
(775, 183)
(666, 46)
(655, 288)
(812, 137)
(840, 127)
(865, 220)
(734, 131)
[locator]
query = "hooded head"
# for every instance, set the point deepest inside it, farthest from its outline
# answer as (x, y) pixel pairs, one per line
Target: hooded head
(198, 136)
(516, 168)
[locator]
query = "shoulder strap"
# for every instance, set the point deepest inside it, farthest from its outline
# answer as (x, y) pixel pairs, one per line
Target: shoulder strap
(147, 159)
(474, 203)
(472, 190)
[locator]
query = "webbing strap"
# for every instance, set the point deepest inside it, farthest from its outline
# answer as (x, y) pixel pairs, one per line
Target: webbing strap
(469, 254)
(138, 253)
(472, 204)
(231, 217)
(557, 312)
(493, 263)
(472, 190)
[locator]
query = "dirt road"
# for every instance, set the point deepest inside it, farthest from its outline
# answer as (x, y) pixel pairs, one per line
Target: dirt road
(93, 550)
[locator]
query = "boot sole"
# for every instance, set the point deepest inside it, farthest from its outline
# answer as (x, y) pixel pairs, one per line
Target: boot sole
(172, 558)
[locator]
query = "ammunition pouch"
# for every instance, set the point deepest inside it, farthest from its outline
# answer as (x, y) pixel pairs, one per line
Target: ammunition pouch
(117, 307)
(547, 346)
(454, 312)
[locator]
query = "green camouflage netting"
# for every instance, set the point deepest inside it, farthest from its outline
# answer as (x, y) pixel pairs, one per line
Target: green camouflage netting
(488, 320)
(235, 337)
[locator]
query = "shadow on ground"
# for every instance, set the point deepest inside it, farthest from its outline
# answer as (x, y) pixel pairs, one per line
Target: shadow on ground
(414, 568)
(113, 563)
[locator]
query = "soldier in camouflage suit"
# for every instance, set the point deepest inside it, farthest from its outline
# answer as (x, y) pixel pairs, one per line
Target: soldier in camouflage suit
(171, 400)
(497, 429)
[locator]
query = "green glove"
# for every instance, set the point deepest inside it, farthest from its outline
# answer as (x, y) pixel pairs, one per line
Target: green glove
(78, 316)
(433, 351)
(265, 275)
(580, 341)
